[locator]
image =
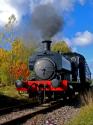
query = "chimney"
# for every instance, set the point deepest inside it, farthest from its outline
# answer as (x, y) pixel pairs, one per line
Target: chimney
(47, 45)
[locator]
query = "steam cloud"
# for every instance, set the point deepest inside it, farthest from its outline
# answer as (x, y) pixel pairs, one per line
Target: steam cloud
(46, 20)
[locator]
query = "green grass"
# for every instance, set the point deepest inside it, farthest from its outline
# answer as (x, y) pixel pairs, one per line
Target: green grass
(11, 92)
(85, 117)
(10, 97)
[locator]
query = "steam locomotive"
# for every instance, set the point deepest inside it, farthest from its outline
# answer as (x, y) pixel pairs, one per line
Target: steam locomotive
(56, 74)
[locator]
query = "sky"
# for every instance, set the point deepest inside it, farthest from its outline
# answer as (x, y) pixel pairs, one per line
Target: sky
(78, 22)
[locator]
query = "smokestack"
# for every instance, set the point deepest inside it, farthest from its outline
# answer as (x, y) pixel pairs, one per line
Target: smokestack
(47, 45)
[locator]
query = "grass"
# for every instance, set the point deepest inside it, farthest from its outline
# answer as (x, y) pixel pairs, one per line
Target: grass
(85, 117)
(11, 92)
(10, 97)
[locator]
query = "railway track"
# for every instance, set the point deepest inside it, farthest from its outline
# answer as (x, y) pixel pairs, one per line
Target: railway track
(16, 108)
(19, 117)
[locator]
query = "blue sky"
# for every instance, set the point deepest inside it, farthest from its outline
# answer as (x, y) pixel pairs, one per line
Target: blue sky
(82, 18)
(78, 22)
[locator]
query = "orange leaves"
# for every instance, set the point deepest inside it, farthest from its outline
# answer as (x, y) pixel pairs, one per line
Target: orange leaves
(19, 70)
(13, 63)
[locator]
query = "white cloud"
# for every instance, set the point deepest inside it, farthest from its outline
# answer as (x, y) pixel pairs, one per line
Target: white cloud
(34, 3)
(83, 38)
(64, 5)
(82, 2)
(67, 5)
(80, 39)
(22, 7)
(6, 10)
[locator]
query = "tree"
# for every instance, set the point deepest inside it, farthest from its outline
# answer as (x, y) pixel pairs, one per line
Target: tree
(4, 66)
(13, 62)
(20, 55)
(61, 47)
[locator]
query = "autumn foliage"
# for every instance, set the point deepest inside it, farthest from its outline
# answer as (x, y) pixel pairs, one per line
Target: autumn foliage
(14, 63)
(61, 46)
(19, 71)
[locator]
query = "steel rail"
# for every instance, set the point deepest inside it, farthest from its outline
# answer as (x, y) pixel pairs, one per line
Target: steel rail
(32, 112)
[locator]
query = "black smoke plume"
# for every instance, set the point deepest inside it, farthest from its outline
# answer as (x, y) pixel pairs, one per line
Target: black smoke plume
(46, 19)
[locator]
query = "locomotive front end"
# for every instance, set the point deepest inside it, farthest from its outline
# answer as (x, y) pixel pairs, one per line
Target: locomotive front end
(48, 73)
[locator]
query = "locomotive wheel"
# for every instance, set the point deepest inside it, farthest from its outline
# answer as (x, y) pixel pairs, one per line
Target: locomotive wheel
(40, 97)
(49, 95)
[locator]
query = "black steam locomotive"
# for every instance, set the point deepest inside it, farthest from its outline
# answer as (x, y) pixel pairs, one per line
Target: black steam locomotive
(56, 74)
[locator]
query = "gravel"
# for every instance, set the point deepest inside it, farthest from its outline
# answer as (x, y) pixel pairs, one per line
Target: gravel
(57, 117)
